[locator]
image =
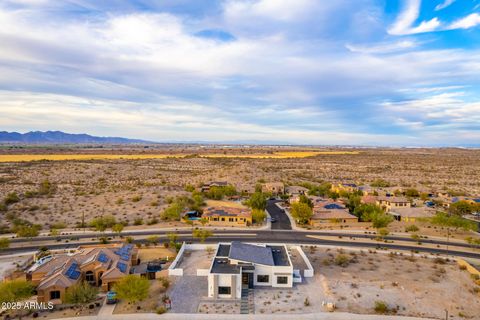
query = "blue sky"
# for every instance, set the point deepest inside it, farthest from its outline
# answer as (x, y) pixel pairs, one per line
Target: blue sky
(365, 72)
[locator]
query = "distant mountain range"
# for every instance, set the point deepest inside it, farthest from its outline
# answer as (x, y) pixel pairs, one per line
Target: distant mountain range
(54, 137)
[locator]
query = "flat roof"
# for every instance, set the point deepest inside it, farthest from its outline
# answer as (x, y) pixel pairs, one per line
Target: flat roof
(223, 265)
(280, 255)
(223, 250)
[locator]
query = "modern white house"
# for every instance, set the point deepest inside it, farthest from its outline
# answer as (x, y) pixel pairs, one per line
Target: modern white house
(238, 266)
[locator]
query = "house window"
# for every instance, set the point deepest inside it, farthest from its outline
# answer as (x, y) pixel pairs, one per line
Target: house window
(215, 219)
(282, 280)
(90, 277)
(231, 220)
(262, 278)
(224, 290)
(54, 295)
(223, 219)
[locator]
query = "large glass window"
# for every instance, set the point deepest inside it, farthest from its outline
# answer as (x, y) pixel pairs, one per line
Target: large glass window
(262, 278)
(282, 280)
(224, 290)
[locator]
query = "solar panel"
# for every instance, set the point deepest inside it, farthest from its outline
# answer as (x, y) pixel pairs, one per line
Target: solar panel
(122, 266)
(102, 257)
(72, 271)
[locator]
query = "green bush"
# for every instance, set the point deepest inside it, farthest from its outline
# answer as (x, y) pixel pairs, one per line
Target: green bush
(11, 198)
(342, 260)
(411, 228)
(381, 307)
(13, 291)
(81, 293)
(132, 288)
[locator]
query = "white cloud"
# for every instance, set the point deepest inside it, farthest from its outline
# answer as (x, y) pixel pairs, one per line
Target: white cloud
(467, 22)
(384, 47)
(444, 4)
(404, 23)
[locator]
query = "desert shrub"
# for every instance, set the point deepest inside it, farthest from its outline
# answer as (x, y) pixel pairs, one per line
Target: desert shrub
(258, 215)
(81, 293)
(102, 223)
(4, 243)
(136, 198)
(411, 228)
(380, 307)
(132, 288)
(15, 290)
(342, 260)
(161, 310)
(11, 198)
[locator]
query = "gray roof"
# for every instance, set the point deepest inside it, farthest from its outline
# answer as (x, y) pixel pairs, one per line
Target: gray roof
(280, 255)
(223, 265)
(251, 253)
(223, 250)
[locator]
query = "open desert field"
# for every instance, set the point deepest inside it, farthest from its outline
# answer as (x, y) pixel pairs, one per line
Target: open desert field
(139, 188)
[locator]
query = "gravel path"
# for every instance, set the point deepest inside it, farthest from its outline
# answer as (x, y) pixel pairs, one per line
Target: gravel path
(186, 293)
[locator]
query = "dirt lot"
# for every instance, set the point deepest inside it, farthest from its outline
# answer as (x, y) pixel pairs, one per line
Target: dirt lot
(133, 189)
(149, 254)
(195, 259)
(411, 286)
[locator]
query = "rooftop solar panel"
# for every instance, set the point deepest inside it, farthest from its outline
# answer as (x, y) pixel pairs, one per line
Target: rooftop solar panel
(102, 257)
(122, 267)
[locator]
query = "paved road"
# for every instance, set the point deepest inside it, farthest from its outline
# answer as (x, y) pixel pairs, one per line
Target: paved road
(283, 222)
(279, 236)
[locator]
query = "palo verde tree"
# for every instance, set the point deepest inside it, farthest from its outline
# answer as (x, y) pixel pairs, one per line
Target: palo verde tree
(132, 288)
(301, 212)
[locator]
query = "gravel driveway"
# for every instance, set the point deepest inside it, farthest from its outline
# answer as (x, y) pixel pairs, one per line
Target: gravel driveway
(186, 293)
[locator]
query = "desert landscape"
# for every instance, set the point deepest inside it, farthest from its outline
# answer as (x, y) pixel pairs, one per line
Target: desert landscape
(138, 189)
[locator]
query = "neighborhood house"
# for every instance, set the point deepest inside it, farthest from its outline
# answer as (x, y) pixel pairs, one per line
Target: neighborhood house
(99, 266)
(228, 216)
(273, 188)
(239, 266)
(389, 203)
(329, 211)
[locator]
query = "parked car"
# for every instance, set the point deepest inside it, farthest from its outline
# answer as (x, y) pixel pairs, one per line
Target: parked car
(272, 220)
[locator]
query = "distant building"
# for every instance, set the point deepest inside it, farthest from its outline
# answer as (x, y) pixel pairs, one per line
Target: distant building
(99, 266)
(390, 203)
(238, 266)
(273, 188)
(295, 192)
(347, 187)
(412, 214)
(325, 211)
(206, 187)
(369, 199)
(228, 216)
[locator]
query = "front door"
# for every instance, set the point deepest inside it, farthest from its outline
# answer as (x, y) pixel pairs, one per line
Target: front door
(247, 280)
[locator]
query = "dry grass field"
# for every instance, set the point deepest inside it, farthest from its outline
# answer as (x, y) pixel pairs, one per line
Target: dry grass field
(138, 189)
(63, 157)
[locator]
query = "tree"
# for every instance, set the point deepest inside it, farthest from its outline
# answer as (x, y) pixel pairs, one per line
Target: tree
(15, 290)
(306, 200)
(153, 239)
(412, 193)
(366, 212)
(258, 215)
(102, 223)
(203, 221)
(461, 208)
(202, 234)
(383, 232)
(257, 200)
(173, 212)
(445, 220)
(4, 243)
(381, 220)
(380, 183)
(301, 212)
(28, 231)
(118, 228)
(132, 288)
(172, 237)
(81, 293)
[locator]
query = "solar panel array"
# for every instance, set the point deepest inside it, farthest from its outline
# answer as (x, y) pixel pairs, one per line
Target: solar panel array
(122, 267)
(73, 272)
(124, 252)
(333, 206)
(102, 257)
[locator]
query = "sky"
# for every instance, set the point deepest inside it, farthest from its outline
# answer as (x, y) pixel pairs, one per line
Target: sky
(363, 72)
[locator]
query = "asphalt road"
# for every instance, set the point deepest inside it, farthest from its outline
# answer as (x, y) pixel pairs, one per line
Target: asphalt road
(271, 236)
(282, 220)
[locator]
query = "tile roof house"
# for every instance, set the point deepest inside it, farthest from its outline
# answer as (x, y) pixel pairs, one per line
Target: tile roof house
(389, 203)
(228, 216)
(238, 266)
(206, 187)
(99, 266)
(273, 187)
(330, 211)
